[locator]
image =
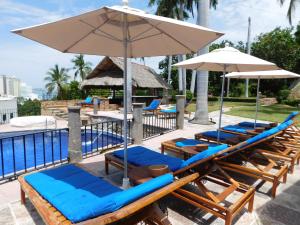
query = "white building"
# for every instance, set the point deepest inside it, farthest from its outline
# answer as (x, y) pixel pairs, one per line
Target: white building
(26, 92)
(9, 86)
(8, 109)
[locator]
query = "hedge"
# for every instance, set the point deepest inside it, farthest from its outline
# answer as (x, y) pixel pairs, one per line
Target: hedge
(231, 99)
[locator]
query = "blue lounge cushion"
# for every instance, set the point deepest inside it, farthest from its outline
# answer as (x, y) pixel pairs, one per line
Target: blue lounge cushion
(251, 124)
(80, 196)
(204, 154)
(193, 142)
(141, 156)
(168, 110)
(284, 125)
(291, 116)
(153, 105)
(236, 128)
(223, 135)
(88, 100)
(262, 135)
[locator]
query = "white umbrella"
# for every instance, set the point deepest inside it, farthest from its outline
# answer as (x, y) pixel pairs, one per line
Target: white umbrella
(226, 59)
(269, 74)
(121, 31)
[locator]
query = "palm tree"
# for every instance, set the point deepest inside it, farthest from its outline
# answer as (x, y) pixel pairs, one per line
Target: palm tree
(81, 67)
(177, 9)
(201, 114)
(291, 9)
(56, 80)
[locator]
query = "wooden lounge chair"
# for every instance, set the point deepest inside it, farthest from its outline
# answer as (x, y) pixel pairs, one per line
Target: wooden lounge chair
(141, 209)
(283, 147)
(291, 116)
(201, 162)
(260, 165)
(184, 147)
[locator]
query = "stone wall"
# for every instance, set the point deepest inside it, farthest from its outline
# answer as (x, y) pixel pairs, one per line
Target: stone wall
(50, 108)
(268, 101)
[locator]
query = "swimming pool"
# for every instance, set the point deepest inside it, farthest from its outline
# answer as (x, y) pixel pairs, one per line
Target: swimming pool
(28, 151)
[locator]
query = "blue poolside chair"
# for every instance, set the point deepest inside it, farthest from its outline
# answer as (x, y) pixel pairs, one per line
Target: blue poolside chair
(139, 156)
(230, 138)
(154, 105)
(291, 116)
(76, 196)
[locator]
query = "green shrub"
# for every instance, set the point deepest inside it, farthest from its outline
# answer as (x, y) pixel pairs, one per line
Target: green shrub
(29, 107)
(283, 95)
(291, 102)
(233, 99)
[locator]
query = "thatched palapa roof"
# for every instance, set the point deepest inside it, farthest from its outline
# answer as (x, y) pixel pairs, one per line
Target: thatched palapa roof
(109, 73)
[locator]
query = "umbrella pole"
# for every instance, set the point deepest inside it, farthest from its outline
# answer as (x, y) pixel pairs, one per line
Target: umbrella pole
(125, 43)
(221, 105)
(257, 101)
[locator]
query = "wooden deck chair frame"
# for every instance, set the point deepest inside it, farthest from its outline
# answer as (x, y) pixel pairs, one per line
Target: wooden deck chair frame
(259, 169)
(143, 209)
(170, 146)
(210, 202)
(282, 147)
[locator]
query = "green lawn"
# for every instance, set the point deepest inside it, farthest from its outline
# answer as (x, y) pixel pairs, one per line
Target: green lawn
(275, 113)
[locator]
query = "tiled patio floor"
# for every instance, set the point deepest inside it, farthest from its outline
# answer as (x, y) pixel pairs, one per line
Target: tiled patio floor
(285, 209)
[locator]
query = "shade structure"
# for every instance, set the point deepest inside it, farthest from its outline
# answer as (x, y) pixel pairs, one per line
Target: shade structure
(121, 31)
(226, 59)
(269, 74)
(100, 32)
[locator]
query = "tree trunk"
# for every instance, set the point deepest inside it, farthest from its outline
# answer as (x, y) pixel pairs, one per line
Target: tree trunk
(193, 81)
(201, 114)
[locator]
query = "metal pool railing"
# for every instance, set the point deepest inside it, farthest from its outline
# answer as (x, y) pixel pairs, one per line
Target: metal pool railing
(31, 151)
(158, 124)
(98, 137)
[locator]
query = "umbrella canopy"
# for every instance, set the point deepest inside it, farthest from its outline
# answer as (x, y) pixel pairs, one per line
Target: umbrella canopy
(121, 31)
(100, 32)
(231, 58)
(269, 74)
(226, 59)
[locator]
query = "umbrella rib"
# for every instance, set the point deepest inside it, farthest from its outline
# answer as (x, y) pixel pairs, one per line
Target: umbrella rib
(109, 36)
(92, 31)
(179, 42)
(140, 34)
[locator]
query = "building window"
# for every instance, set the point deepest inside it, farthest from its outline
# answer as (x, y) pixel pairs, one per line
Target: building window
(11, 115)
(4, 117)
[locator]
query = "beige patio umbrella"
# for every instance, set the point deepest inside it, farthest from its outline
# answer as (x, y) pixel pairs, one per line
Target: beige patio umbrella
(121, 31)
(226, 59)
(269, 74)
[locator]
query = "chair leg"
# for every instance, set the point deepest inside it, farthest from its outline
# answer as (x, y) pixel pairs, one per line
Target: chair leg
(274, 187)
(158, 216)
(251, 203)
(23, 197)
(228, 218)
(106, 167)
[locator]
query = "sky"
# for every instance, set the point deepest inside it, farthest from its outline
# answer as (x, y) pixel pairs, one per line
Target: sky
(30, 61)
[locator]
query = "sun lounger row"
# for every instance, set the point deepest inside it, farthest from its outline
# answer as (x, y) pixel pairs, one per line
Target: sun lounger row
(70, 195)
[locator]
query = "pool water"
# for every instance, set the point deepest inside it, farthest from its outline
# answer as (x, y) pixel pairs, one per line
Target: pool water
(30, 151)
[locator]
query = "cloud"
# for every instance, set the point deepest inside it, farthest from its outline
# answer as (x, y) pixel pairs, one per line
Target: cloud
(231, 17)
(30, 61)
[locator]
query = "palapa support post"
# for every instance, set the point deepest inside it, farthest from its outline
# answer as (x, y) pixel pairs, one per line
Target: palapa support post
(95, 102)
(137, 124)
(180, 99)
(74, 125)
